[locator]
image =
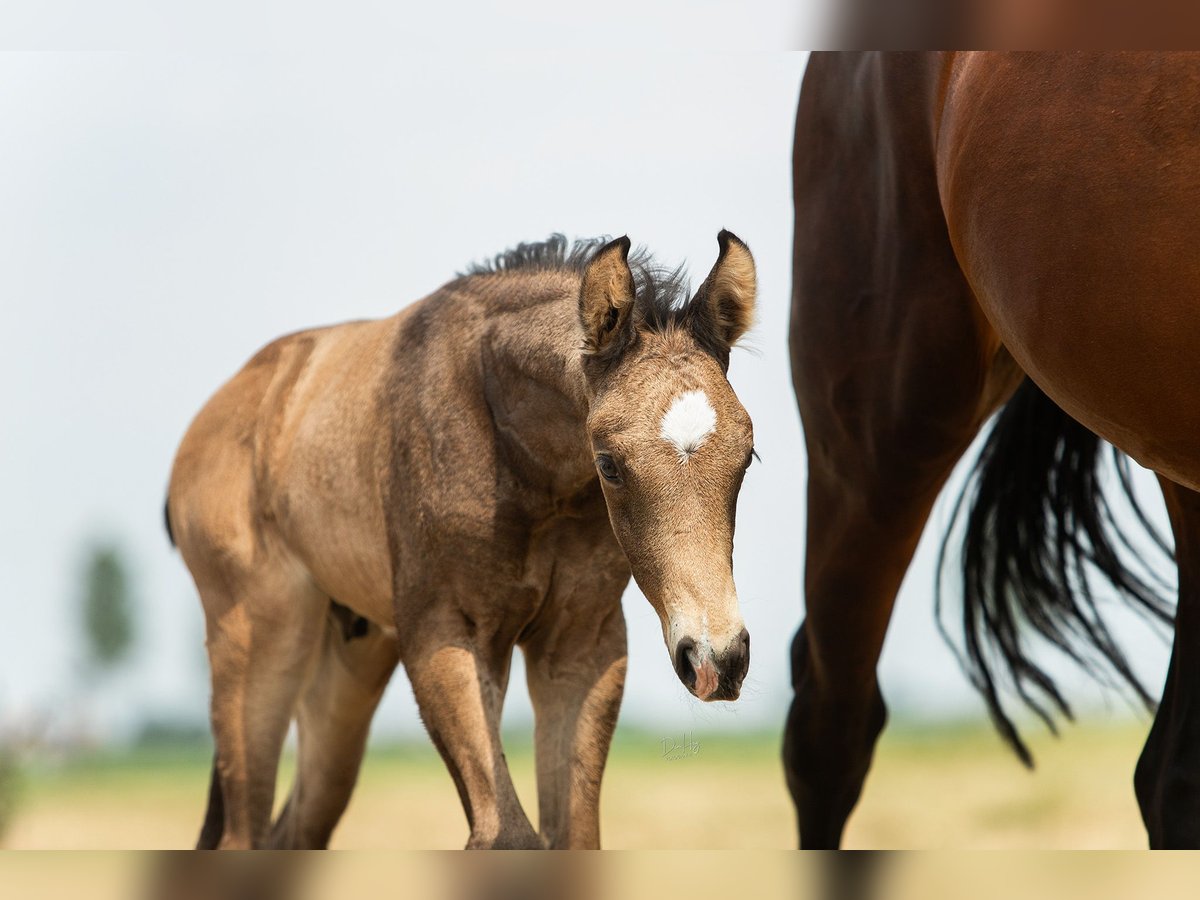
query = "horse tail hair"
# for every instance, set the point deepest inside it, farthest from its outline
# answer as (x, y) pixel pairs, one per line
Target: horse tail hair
(214, 816)
(1038, 531)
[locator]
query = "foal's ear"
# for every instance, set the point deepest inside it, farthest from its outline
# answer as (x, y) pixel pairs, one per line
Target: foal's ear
(606, 300)
(723, 309)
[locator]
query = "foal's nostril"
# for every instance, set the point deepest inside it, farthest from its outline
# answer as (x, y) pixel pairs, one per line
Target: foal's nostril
(734, 665)
(683, 662)
(744, 645)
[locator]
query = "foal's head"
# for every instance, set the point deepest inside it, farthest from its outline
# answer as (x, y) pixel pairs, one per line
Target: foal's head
(671, 444)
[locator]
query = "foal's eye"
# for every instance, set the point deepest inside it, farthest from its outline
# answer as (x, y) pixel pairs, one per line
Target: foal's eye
(752, 457)
(608, 468)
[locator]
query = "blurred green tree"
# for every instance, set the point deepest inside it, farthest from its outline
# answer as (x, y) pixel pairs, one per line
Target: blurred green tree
(9, 788)
(107, 609)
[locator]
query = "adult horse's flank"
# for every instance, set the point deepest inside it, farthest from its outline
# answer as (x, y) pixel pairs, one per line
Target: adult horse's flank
(478, 472)
(973, 230)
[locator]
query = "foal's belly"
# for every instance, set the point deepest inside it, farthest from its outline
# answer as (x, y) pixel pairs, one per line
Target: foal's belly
(349, 570)
(319, 484)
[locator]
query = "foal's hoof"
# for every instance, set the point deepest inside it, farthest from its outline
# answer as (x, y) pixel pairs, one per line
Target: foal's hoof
(512, 840)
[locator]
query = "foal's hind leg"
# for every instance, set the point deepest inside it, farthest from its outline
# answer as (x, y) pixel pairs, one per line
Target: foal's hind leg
(333, 719)
(1167, 780)
(263, 632)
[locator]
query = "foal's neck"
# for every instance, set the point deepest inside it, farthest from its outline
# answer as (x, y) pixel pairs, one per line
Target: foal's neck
(534, 386)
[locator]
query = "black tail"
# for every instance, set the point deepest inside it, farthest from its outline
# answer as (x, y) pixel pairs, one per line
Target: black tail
(1037, 530)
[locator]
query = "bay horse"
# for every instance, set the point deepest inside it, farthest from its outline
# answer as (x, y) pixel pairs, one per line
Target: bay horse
(483, 470)
(979, 233)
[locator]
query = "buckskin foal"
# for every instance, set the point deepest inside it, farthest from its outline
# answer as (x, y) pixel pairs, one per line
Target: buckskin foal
(480, 471)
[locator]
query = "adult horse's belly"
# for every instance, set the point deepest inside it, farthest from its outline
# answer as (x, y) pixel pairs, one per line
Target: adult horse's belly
(1071, 186)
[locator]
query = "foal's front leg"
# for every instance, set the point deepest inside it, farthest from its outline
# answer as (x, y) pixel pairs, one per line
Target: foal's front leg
(575, 665)
(460, 688)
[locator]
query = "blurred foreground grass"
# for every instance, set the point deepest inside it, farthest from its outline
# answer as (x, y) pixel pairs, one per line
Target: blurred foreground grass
(942, 787)
(765, 875)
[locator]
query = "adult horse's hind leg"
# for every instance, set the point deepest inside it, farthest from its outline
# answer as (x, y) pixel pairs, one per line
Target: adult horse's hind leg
(862, 530)
(1167, 780)
(334, 718)
(895, 369)
(263, 633)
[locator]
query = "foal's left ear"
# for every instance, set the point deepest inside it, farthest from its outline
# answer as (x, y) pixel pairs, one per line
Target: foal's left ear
(723, 309)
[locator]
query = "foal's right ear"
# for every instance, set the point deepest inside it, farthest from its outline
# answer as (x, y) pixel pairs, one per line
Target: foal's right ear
(606, 300)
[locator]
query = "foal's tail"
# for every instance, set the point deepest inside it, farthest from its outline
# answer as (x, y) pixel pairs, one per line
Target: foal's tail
(1037, 530)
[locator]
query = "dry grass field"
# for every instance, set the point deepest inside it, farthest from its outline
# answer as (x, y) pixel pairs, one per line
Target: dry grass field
(942, 788)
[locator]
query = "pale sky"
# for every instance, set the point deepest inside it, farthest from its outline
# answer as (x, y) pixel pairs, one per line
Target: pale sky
(164, 215)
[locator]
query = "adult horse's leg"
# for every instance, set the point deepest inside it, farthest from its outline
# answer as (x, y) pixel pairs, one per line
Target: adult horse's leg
(262, 638)
(333, 720)
(863, 527)
(1167, 780)
(459, 677)
(575, 656)
(895, 369)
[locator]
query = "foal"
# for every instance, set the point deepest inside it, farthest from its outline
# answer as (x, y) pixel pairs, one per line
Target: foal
(480, 471)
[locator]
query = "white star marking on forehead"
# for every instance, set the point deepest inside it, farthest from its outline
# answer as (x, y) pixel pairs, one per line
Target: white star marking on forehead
(688, 423)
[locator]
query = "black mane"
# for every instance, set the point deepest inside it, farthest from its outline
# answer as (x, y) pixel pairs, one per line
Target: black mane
(661, 293)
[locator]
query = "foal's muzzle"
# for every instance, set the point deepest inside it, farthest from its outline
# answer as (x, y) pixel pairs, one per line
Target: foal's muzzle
(711, 675)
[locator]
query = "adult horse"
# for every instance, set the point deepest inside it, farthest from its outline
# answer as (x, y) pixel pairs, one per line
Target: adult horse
(480, 471)
(979, 232)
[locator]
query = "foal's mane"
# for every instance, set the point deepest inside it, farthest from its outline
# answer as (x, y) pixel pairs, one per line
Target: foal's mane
(661, 293)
